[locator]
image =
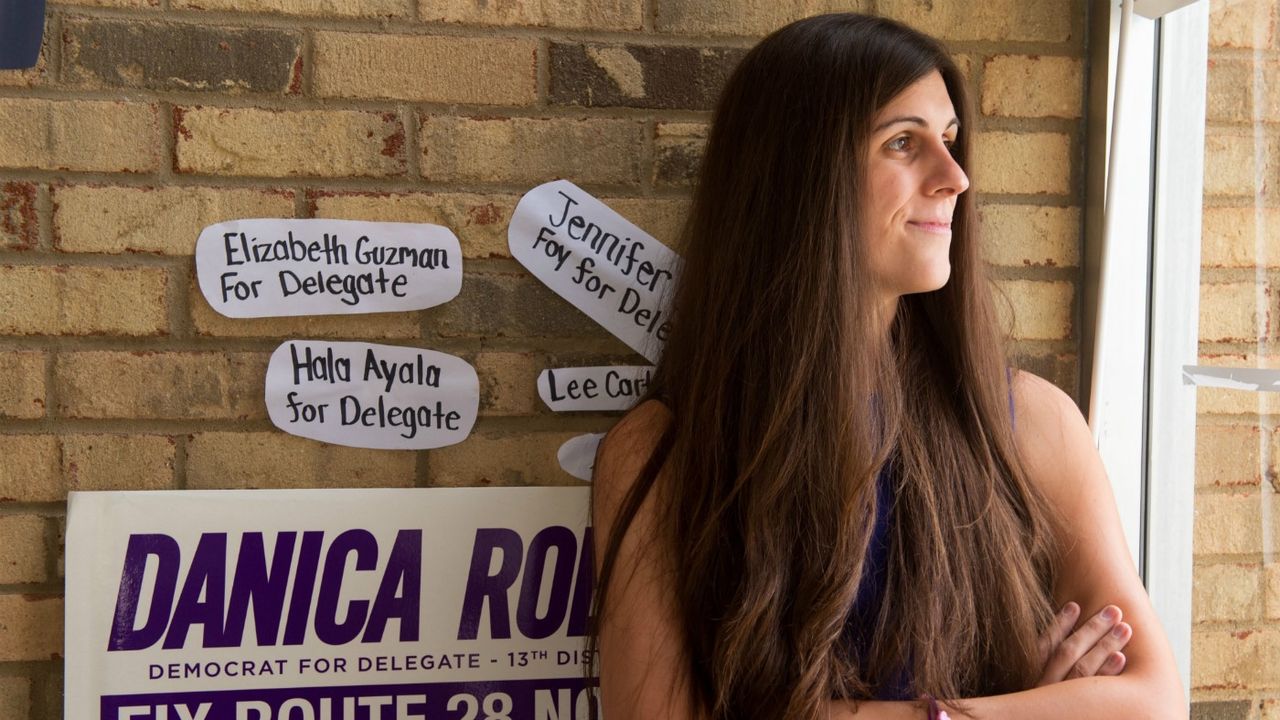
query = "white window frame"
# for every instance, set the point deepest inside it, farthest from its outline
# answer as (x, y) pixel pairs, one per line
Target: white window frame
(1144, 416)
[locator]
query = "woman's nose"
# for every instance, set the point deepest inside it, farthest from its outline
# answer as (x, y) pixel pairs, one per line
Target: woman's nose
(947, 178)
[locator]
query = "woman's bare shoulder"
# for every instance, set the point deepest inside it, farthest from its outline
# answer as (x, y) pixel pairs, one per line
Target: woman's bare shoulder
(1053, 439)
(626, 448)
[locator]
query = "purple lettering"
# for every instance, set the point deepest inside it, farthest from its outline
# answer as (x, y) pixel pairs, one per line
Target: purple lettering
(566, 545)
(165, 550)
(328, 629)
(404, 572)
(481, 585)
(207, 577)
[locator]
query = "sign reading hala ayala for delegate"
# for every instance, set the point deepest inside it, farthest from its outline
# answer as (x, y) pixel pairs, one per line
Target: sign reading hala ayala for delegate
(282, 267)
(608, 268)
(429, 604)
(366, 395)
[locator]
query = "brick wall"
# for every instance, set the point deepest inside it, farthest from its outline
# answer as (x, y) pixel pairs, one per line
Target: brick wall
(149, 119)
(1235, 665)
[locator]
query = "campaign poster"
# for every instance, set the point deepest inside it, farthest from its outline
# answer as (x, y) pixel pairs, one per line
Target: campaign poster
(422, 604)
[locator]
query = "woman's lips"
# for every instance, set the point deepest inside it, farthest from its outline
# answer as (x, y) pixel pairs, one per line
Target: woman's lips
(941, 228)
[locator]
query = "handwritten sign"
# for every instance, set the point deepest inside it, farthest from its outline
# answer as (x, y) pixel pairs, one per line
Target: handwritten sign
(601, 388)
(371, 396)
(280, 267)
(577, 455)
(608, 268)
(371, 604)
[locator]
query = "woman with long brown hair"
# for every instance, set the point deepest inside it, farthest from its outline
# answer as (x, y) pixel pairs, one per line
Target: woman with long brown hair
(837, 498)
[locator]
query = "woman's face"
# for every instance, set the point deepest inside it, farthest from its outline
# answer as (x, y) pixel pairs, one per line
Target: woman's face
(913, 183)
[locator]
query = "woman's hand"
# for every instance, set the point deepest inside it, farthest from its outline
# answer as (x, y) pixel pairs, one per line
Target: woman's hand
(1093, 649)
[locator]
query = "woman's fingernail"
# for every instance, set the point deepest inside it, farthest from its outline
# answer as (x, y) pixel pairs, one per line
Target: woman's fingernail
(1070, 609)
(1111, 612)
(1119, 630)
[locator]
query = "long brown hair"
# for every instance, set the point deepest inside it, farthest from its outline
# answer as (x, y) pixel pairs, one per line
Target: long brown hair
(788, 399)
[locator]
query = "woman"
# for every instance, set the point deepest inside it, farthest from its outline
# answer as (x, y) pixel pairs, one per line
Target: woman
(837, 498)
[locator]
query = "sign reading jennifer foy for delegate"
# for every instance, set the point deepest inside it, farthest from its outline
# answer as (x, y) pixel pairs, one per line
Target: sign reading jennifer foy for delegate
(372, 396)
(608, 268)
(280, 267)
(430, 604)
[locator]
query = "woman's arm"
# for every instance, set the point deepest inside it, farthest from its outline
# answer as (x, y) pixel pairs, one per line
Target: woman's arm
(642, 658)
(1096, 570)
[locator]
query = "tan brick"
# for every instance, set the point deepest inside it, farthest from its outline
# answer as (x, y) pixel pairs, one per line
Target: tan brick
(479, 221)
(60, 300)
(592, 14)
(1242, 91)
(1243, 659)
(19, 218)
(1030, 235)
(663, 218)
(481, 70)
(1229, 312)
(530, 150)
(339, 8)
(1041, 309)
(1235, 163)
(742, 17)
(79, 135)
(1229, 237)
(231, 460)
(22, 394)
(22, 560)
(677, 153)
(15, 698)
(1228, 592)
(1229, 456)
(1270, 710)
(288, 143)
(170, 385)
(1242, 23)
(1033, 86)
(165, 220)
(30, 627)
(508, 382)
(485, 459)
(1228, 524)
(1272, 572)
(1006, 20)
(209, 322)
(1030, 163)
(118, 462)
(29, 472)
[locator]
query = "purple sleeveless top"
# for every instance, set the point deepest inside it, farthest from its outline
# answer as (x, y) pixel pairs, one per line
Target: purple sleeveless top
(860, 624)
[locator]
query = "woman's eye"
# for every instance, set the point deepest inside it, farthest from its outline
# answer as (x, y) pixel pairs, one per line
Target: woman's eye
(900, 144)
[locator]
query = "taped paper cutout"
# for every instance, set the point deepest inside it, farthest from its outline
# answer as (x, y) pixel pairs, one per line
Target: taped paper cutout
(275, 267)
(608, 268)
(577, 455)
(601, 388)
(371, 396)
(1255, 379)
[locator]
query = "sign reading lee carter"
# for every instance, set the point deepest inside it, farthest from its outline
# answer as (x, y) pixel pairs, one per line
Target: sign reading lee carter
(431, 604)
(596, 259)
(373, 396)
(280, 267)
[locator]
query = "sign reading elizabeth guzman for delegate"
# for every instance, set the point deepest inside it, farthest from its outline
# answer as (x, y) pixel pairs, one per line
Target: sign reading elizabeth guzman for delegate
(361, 394)
(430, 604)
(281, 267)
(608, 268)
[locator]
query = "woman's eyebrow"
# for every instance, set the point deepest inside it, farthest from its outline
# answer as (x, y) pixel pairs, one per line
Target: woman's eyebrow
(913, 119)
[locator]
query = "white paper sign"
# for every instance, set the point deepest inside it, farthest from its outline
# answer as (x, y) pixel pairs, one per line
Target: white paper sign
(371, 396)
(601, 388)
(427, 604)
(608, 268)
(274, 267)
(577, 455)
